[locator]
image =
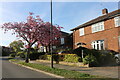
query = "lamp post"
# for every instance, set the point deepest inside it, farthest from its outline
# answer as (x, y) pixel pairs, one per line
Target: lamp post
(51, 35)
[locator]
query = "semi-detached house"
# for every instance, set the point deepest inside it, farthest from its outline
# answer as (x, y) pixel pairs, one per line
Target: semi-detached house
(101, 33)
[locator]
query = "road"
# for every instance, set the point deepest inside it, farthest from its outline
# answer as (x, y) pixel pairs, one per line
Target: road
(10, 70)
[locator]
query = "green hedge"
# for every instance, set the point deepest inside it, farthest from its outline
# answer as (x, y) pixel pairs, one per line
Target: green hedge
(102, 57)
(21, 54)
(48, 57)
(12, 55)
(56, 57)
(65, 57)
(43, 57)
(90, 59)
(72, 58)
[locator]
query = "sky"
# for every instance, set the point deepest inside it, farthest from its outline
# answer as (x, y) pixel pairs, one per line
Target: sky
(66, 14)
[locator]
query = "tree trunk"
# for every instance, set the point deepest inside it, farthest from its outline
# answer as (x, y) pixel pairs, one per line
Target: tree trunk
(46, 49)
(27, 56)
(49, 48)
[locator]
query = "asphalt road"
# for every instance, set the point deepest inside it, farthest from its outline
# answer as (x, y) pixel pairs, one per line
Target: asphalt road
(10, 70)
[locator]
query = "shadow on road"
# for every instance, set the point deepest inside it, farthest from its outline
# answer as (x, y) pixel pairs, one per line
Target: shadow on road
(4, 58)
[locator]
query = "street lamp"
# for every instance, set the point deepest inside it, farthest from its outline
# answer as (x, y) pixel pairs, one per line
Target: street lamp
(51, 35)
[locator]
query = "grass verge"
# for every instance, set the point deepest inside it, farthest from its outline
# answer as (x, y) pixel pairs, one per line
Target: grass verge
(61, 72)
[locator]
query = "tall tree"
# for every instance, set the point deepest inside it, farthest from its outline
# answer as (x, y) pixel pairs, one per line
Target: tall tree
(34, 30)
(17, 45)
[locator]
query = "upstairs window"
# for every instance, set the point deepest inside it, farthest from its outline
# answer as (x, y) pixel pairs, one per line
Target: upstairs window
(62, 41)
(81, 30)
(117, 21)
(98, 27)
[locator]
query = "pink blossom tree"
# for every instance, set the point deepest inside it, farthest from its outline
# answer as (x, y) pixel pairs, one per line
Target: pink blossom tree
(34, 30)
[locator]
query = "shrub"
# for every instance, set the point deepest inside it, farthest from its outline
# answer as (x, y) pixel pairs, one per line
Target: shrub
(12, 55)
(43, 57)
(106, 57)
(21, 54)
(48, 57)
(34, 55)
(90, 59)
(56, 57)
(72, 58)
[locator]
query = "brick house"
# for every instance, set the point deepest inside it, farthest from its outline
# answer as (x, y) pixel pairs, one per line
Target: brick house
(101, 33)
(64, 42)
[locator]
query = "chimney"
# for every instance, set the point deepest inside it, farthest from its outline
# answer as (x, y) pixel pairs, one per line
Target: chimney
(104, 11)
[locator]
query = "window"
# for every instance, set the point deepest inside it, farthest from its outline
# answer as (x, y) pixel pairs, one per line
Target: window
(99, 44)
(81, 30)
(117, 21)
(62, 41)
(98, 27)
(54, 47)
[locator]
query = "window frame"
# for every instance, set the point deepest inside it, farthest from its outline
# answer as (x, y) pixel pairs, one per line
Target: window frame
(97, 44)
(81, 31)
(97, 27)
(116, 21)
(62, 41)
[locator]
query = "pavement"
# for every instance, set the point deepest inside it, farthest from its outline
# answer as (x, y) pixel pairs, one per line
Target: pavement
(107, 71)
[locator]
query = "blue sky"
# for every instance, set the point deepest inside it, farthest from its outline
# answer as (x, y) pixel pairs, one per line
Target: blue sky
(65, 14)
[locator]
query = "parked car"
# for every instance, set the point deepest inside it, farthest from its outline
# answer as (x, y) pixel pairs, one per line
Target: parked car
(117, 59)
(64, 52)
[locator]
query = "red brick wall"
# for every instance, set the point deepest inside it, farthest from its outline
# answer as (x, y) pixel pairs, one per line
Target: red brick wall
(109, 35)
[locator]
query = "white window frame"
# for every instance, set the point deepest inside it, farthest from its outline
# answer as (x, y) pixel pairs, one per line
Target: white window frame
(117, 21)
(97, 44)
(81, 31)
(98, 27)
(62, 40)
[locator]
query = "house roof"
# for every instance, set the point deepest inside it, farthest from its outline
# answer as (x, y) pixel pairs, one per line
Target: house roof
(98, 19)
(64, 32)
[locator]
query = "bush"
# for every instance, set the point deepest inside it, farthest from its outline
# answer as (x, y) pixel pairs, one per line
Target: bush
(43, 57)
(106, 57)
(48, 57)
(56, 57)
(72, 58)
(34, 55)
(65, 57)
(12, 55)
(103, 57)
(21, 54)
(90, 59)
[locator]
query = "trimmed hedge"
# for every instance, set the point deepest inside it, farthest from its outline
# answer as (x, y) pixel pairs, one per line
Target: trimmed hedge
(72, 58)
(65, 57)
(48, 57)
(43, 57)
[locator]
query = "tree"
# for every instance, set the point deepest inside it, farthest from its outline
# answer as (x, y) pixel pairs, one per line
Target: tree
(17, 45)
(34, 30)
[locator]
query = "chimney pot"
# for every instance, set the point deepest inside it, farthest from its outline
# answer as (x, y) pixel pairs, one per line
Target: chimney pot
(104, 11)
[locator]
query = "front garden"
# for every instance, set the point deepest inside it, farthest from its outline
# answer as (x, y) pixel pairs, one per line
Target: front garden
(90, 57)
